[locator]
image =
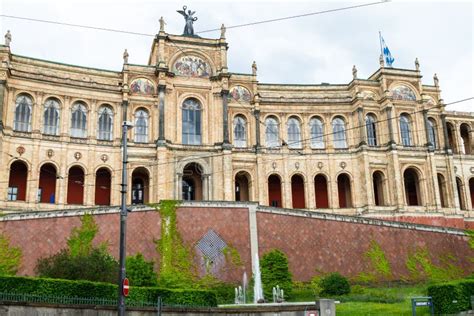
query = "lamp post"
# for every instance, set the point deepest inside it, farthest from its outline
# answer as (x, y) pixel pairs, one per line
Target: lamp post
(123, 218)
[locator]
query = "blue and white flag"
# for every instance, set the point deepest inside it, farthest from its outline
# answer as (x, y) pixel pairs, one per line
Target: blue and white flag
(387, 56)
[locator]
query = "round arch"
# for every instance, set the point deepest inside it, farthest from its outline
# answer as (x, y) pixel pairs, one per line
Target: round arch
(48, 175)
(298, 195)
(200, 54)
(17, 180)
(243, 185)
(344, 189)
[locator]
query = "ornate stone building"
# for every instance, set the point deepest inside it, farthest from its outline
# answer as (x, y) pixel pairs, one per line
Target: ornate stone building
(379, 147)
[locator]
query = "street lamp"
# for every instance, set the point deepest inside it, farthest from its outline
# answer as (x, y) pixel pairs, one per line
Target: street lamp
(123, 217)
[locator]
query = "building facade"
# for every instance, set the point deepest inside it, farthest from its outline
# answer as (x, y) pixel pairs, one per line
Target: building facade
(376, 147)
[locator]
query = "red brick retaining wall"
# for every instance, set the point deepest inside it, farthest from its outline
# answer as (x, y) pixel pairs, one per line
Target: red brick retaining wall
(311, 243)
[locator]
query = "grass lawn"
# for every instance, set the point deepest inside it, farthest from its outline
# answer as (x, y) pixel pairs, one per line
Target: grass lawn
(405, 293)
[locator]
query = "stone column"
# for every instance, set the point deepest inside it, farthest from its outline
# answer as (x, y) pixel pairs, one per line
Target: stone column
(2, 102)
(362, 131)
(447, 149)
(161, 113)
(179, 186)
(227, 175)
(429, 144)
(205, 187)
(256, 113)
(225, 116)
(391, 140)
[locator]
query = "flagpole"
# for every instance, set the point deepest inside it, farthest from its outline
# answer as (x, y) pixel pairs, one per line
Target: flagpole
(380, 40)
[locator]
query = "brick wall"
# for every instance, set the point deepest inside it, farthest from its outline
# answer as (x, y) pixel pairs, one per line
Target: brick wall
(312, 242)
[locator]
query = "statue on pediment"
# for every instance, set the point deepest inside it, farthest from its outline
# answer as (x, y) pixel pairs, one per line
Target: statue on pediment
(190, 19)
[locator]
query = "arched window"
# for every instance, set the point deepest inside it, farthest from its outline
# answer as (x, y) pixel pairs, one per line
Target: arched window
(371, 130)
(51, 117)
(321, 191)
(240, 131)
(405, 130)
(377, 181)
(297, 191)
(451, 143)
(106, 121)
(294, 133)
(141, 126)
(432, 139)
(78, 120)
(191, 122)
(344, 191)
(271, 132)
(75, 185)
(466, 138)
(18, 180)
(339, 131)
(274, 191)
(317, 133)
(23, 113)
(47, 183)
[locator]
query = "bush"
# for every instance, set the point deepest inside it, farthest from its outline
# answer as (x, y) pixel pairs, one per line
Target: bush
(87, 289)
(274, 267)
(452, 297)
(98, 266)
(335, 284)
(140, 272)
(10, 257)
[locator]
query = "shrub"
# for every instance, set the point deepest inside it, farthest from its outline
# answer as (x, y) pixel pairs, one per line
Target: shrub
(140, 272)
(335, 284)
(274, 268)
(10, 257)
(98, 265)
(452, 297)
(87, 289)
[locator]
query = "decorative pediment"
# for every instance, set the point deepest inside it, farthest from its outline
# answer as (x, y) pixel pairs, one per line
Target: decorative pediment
(403, 93)
(239, 94)
(142, 86)
(192, 66)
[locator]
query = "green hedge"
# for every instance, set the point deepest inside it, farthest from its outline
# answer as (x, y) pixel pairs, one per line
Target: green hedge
(88, 289)
(452, 297)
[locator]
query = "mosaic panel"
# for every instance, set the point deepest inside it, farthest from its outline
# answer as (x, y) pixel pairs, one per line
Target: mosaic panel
(239, 94)
(192, 66)
(403, 93)
(142, 86)
(211, 245)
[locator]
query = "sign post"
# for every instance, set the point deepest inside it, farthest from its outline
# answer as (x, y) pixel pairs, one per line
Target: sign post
(125, 287)
(422, 302)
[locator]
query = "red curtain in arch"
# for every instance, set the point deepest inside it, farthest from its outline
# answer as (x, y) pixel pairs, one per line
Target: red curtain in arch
(103, 181)
(75, 186)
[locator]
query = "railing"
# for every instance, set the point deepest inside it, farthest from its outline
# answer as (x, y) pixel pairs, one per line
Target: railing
(66, 300)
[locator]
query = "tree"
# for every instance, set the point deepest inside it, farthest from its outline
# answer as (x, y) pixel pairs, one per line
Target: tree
(140, 272)
(274, 268)
(10, 257)
(81, 260)
(335, 284)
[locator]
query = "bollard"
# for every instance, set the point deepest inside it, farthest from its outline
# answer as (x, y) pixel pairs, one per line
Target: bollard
(159, 305)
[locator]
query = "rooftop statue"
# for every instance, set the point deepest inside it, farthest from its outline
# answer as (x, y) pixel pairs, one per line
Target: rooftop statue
(188, 17)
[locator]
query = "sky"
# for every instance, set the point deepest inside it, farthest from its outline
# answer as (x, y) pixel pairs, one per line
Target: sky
(307, 50)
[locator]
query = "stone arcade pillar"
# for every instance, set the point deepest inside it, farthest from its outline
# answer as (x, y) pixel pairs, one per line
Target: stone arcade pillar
(161, 113)
(2, 102)
(447, 149)
(256, 113)
(225, 117)
(391, 139)
(362, 131)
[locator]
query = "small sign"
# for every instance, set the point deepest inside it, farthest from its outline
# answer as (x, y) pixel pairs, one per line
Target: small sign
(125, 287)
(312, 313)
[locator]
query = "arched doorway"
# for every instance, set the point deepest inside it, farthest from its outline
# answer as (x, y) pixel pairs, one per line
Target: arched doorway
(103, 181)
(47, 184)
(274, 191)
(17, 181)
(471, 189)
(192, 188)
(297, 191)
(459, 187)
(442, 190)
(140, 186)
(344, 191)
(412, 187)
(465, 131)
(242, 186)
(321, 191)
(75, 185)
(377, 181)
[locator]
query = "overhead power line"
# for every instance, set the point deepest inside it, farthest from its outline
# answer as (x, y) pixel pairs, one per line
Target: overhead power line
(98, 28)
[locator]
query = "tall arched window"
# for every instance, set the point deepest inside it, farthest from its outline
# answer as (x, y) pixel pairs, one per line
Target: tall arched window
(23, 113)
(271, 132)
(294, 133)
(432, 133)
(371, 130)
(240, 131)
(317, 133)
(141, 126)
(339, 131)
(191, 122)
(51, 117)
(106, 121)
(79, 120)
(405, 130)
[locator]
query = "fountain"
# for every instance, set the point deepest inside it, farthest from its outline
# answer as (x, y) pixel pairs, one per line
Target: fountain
(278, 294)
(257, 288)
